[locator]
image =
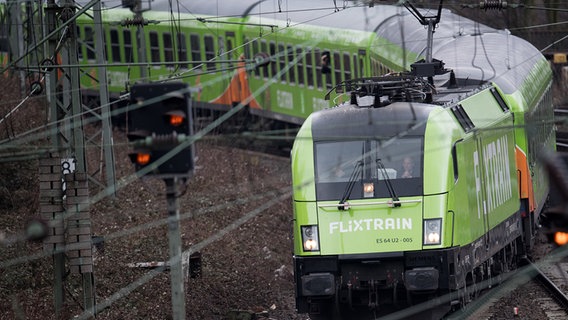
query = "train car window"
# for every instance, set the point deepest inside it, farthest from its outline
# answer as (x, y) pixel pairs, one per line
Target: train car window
(264, 71)
(499, 100)
(253, 50)
(401, 163)
(79, 47)
(248, 53)
(310, 67)
(337, 67)
(300, 65)
(356, 73)
(327, 79)
(168, 49)
(209, 52)
(221, 46)
(195, 51)
(361, 66)
(462, 117)
(292, 69)
(347, 66)
(4, 43)
(154, 47)
(128, 51)
(317, 61)
(273, 64)
(231, 55)
(182, 49)
(282, 62)
(4, 40)
(90, 43)
(114, 45)
(375, 67)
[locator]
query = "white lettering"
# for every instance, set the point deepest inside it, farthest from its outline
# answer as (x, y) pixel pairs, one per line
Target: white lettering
(357, 224)
(285, 99)
(378, 224)
(476, 172)
(333, 226)
(370, 225)
(496, 174)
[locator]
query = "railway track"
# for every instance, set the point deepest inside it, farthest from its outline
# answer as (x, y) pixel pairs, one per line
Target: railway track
(537, 290)
(553, 278)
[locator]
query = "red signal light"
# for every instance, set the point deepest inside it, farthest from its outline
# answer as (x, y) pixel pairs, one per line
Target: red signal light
(560, 238)
(176, 120)
(142, 158)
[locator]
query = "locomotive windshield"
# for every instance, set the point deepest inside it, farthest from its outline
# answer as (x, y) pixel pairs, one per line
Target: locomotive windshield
(397, 160)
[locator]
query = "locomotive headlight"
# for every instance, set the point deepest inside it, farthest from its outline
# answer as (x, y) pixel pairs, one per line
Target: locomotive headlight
(368, 190)
(310, 238)
(432, 231)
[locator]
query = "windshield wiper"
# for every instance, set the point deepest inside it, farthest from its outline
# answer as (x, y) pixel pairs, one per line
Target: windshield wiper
(354, 175)
(395, 200)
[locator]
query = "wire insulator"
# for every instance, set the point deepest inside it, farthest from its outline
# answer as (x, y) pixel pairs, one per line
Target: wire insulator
(138, 21)
(493, 5)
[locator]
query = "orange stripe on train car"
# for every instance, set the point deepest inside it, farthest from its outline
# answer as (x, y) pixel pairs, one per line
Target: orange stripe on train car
(525, 181)
(238, 90)
(59, 70)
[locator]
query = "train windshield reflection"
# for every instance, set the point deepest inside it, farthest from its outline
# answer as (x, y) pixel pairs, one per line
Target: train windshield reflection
(336, 160)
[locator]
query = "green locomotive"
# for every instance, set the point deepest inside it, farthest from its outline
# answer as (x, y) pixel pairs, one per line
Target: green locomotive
(416, 189)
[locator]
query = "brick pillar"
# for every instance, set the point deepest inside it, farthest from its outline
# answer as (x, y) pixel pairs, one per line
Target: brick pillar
(78, 223)
(51, 202)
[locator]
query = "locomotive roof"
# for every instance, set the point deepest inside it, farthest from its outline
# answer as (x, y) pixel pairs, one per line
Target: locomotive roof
(350, 121)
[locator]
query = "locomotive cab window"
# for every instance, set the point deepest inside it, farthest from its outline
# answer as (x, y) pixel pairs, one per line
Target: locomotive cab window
(339, 163)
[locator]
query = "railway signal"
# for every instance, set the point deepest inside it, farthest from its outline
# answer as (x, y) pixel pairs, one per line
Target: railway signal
(159, 127)
(556, 225)
(556, 218)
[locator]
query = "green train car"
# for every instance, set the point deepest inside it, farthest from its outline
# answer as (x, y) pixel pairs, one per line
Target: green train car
(415, 190)
(217, 51)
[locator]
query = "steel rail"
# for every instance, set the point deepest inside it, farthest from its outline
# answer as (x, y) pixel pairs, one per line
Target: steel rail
(559, 296)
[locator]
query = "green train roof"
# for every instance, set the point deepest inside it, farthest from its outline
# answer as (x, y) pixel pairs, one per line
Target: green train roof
(474, 51)
(349, 121)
